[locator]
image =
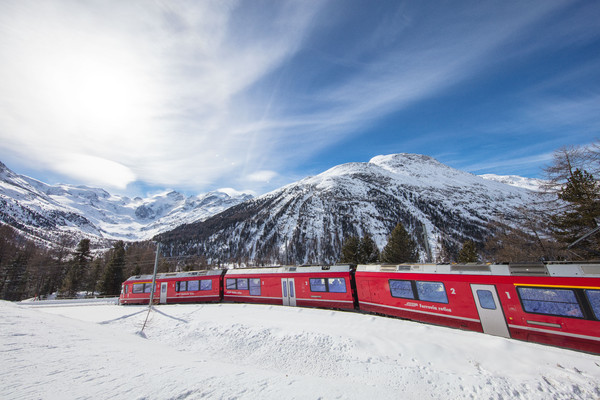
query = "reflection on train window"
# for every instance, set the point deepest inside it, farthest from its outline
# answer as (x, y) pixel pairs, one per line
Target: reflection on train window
(550, 301)
(181, 286)
(333, 285)
(317, 285)
(419, 290)
(432, 291)
(337, 285)
(255, 287)
(193, 285)
(402, 289)
(239, 284)
(138, 288)
(206, 284)
(594, 299)
(486, 299)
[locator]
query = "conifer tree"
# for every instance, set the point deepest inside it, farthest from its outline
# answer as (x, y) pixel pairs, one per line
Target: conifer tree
(468, 253)
(113, 274)
(582, 194)
(401, 248)
(368, 251)
(350, 250)
(74, 280)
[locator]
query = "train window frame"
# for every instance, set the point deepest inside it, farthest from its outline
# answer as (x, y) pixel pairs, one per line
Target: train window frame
(193, 286)
(431, 300)
(336, 284)
(316, 284)
(593, 302)
(137, 288)
(179, 284)
(328, 285)
(229, 284)
(396, 294)
(205, 284)
(485, 303)
(573, 291)
(252, 286)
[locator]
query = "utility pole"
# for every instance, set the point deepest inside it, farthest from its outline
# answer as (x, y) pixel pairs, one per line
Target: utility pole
(153, 289)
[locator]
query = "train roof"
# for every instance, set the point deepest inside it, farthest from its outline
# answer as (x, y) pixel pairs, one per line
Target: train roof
(514, 269)
(166, 275)
(290, 269)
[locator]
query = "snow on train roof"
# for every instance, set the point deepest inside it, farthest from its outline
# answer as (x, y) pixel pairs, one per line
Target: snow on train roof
(518, 269)
(290, 269)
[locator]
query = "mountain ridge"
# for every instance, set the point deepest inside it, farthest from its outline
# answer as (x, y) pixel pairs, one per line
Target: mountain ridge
(307, 221)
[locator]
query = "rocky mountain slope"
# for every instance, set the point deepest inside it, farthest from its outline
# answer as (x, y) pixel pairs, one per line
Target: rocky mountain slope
(50, 213)
(307, 221)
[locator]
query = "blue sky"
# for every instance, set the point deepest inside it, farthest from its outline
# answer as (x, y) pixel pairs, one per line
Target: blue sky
(142, 96)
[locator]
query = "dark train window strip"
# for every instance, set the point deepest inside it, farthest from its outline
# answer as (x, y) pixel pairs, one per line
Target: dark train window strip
(550, 301)
(253, 285)
(332, 285)
(193, 286)
(419, 290)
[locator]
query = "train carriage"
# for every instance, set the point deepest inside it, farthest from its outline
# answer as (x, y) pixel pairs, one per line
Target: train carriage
(174, 287)
(552, 303)
(306, 286)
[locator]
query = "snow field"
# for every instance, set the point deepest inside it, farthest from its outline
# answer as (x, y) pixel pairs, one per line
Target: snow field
(239, 351)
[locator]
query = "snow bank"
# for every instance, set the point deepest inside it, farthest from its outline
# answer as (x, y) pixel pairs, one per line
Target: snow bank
(270, 352)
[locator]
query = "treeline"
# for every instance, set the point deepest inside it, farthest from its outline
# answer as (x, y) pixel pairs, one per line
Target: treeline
(28, 270)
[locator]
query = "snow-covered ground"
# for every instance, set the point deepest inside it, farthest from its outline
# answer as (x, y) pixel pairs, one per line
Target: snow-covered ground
(236, 351)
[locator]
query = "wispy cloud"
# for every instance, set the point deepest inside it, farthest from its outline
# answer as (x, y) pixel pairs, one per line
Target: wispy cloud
(206, 94)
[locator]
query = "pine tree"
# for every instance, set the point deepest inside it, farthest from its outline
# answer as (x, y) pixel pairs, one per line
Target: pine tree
(582, 194)
(113, 274)
(401, 248)
(350, 250)
(74, 280)
(468, 253)
(368, 251)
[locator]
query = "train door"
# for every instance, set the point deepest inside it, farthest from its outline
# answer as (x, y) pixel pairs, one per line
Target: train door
(490, 310)
(288, 291)
(163, 292)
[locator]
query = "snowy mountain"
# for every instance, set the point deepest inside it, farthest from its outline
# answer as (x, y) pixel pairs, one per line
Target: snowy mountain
(307, 221)
(514, 180)
(49, 212)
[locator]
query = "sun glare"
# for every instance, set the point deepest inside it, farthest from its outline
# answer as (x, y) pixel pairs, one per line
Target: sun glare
(99, 89)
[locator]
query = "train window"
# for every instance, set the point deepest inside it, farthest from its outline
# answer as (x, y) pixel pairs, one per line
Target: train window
(550, 301)
(231, 284)
(193, 285)
(432, 291)
(402, 289)
(206, 284)
(242, 284)
(337, 285)
(593, 297)
(181, 286)
(138, 288)
(486, 299)
(318, 285)
(147, 287)
(255, 287)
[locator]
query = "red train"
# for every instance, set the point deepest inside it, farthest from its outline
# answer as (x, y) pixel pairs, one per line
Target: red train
(553, 303)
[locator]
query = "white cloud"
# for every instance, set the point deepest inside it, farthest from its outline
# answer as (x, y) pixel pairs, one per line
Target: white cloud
(172, 93)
